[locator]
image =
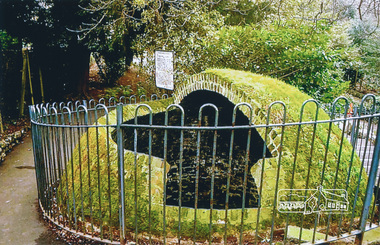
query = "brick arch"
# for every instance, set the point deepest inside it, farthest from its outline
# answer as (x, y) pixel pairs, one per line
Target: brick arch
(214, 83)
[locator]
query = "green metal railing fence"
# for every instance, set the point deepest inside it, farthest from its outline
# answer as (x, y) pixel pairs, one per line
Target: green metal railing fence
(146, 171)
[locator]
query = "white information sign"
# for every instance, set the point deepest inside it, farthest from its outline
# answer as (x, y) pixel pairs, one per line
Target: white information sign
(164, 61)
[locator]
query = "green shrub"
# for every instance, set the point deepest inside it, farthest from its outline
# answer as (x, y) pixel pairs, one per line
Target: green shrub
(299, 55)
(118, 91)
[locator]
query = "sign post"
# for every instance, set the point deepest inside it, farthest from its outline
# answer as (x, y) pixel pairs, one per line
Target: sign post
(164, 62)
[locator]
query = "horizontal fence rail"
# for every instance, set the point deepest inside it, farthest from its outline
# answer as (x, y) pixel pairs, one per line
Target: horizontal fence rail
(147, 171)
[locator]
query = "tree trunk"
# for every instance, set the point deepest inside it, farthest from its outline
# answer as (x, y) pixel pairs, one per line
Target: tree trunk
(100, 66)
(82, 65)
(356, 79)
(30, 78)
(1, 124)
(42, 85)
(23, 82)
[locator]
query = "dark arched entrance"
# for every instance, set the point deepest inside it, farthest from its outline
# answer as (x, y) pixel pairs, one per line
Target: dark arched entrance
(200, 152)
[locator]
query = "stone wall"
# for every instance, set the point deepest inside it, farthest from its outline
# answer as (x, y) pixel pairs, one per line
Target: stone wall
(7, 142)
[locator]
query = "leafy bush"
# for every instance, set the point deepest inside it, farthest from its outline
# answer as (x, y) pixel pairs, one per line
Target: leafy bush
(118, 91)
(299, 55)
(371, 49)
(6, 40)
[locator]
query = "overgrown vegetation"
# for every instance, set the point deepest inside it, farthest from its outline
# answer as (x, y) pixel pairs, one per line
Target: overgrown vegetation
(117, 92)
(313, 46)
(299, 55)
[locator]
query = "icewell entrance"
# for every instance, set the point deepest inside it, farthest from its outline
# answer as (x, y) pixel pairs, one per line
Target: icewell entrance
(206, 165)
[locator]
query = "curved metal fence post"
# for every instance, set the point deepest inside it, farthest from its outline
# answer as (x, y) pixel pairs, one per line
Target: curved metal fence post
(362, 112)
(279, 163)
(371, 181)
(136, 171)
(134, 99)
(61, 105)
(212, 169)
(32, 114)
(120, 161)
(338, 160)
(112, 101)
(143, 97)
(180, 169)
(91, 103)
(102, 101)
(246, 167)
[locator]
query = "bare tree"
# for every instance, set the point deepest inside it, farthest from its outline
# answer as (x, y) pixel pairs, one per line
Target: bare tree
(369, 12)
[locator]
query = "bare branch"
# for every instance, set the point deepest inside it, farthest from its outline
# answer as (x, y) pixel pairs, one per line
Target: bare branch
(86, 31)
(360, 9)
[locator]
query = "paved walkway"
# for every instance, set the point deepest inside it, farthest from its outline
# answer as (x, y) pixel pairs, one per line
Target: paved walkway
(20, 222)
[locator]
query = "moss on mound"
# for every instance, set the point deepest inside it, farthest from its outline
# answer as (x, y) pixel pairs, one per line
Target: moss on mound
(261, 91)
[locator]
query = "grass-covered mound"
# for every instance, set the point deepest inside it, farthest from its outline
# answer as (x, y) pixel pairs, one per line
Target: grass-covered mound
(95, 157)
(341, 164)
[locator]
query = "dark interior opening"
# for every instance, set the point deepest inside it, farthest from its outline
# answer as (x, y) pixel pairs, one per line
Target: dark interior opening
(191, 105)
